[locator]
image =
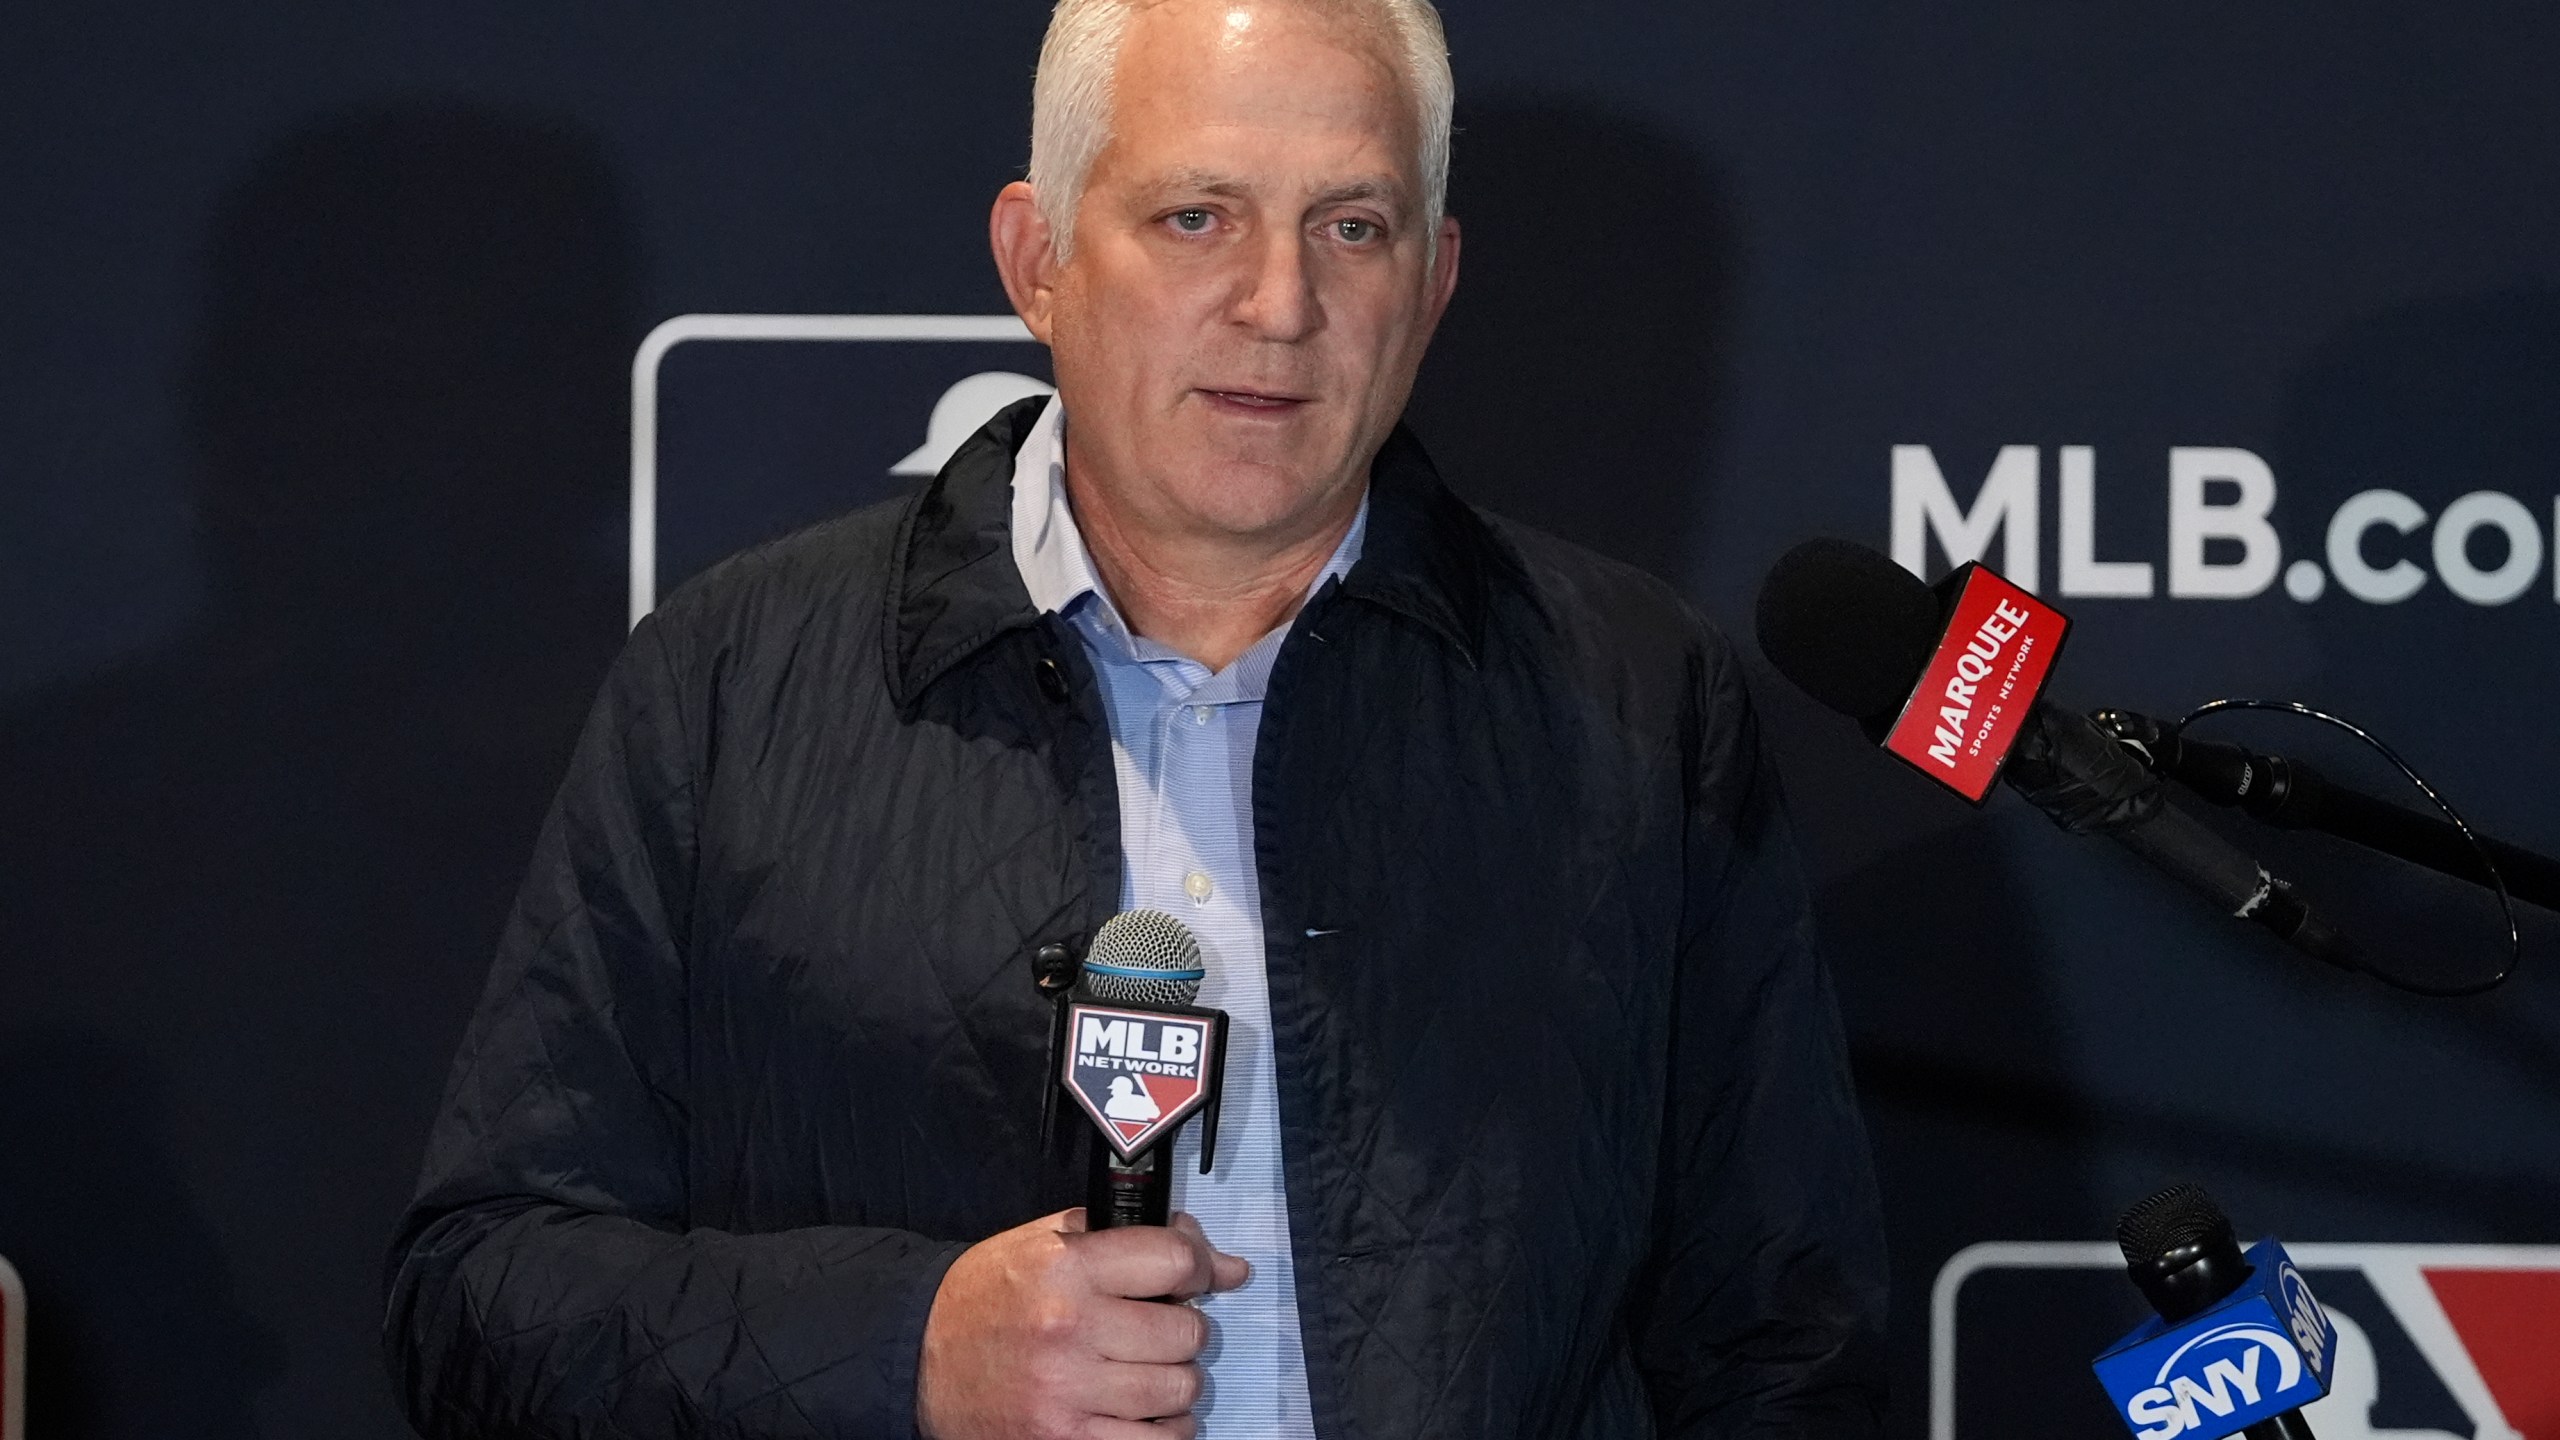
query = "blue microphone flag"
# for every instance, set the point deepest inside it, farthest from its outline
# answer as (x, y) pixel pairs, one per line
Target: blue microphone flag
(2265, 1348)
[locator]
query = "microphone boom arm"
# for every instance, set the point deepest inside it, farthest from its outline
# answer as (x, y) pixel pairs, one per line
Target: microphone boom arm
(2293, 796)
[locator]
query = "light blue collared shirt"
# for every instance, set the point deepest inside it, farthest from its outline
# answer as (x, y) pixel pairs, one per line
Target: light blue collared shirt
(1182, 745)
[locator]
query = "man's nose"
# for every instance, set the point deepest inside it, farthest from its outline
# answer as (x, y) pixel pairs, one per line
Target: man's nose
(1279, 300)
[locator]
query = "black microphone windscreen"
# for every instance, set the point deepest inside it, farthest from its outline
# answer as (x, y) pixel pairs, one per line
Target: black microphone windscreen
(1848, 626)
(2181, 1217)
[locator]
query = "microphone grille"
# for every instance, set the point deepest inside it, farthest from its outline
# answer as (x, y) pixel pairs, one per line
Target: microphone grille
(1144, 957)
(2182, 1217)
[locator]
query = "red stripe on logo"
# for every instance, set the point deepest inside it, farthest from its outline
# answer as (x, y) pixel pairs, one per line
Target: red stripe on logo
(2510, 1322)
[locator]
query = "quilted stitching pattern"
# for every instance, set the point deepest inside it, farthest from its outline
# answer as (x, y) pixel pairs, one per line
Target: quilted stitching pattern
(1570, 1149)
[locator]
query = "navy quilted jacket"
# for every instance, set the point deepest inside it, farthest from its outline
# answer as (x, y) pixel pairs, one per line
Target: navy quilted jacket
(1571, 1149)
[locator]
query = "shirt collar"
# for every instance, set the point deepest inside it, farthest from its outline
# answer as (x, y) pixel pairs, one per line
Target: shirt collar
(953, 587)
(1047, 547)
(1049, 550)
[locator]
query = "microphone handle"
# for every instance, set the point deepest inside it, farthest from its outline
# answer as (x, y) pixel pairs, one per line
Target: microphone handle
(2288, 1426)
(2089, 784)
(1136, 1192)
(2181, 846)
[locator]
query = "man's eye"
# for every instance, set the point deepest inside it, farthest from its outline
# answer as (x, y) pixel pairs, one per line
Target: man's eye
(1191, 222)
(1357, 232)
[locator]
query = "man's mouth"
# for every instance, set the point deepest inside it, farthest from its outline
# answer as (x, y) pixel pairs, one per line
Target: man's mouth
(1257, 401)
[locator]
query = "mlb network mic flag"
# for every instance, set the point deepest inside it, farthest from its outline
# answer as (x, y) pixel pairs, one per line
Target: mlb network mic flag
(2267, 1348)
(1980, 684)
(1140, 1072)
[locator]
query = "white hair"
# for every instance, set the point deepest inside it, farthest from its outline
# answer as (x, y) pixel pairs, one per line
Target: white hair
(1071, 97)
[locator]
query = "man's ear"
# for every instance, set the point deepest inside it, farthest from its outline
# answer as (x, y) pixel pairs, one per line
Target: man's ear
(1019, 235)
(1444, 272)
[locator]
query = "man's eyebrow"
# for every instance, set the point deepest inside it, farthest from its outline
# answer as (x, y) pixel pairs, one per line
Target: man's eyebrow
(1210, 182)
(1204, 182)
(1386, 191)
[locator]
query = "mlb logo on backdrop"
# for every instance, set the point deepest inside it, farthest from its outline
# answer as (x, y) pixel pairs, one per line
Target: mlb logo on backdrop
(745, 427)
(2432, 1342)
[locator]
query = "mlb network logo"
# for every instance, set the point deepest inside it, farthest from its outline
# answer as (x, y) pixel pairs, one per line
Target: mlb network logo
(1138, 1073)
(2432, 1342)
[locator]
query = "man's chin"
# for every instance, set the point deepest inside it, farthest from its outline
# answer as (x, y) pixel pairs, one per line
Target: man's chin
(1247, 499)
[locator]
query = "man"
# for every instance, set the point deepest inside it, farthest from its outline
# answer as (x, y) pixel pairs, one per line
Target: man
(1537, 1119)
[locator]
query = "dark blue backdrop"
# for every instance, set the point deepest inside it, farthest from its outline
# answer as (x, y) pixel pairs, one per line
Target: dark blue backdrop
(318, 340)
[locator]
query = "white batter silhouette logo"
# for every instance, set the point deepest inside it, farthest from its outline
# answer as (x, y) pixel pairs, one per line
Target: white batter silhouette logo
(961, 410)
(1130, 1101)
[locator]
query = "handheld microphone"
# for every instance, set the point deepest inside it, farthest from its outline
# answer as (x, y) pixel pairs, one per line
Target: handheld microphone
(2240, 1344)
(1950, 681)
(1139, 1059)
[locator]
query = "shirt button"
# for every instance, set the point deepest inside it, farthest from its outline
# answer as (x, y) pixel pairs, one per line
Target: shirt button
(1199, 714)
(1199, 887)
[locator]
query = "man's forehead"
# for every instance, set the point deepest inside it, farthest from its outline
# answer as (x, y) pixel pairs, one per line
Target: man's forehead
(1350, 21)
(1190, 38)
(1200, 92)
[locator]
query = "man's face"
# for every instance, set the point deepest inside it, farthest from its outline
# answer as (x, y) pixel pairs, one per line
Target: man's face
(1249, 291)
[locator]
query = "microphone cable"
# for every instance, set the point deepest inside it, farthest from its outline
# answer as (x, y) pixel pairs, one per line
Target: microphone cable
(2488, 865)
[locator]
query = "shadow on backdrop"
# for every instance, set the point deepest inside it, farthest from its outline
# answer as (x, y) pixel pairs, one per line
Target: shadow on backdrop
(267, 865)
(98, 1218)
(1572, 383)
(1954, 1025)
(2437, 399)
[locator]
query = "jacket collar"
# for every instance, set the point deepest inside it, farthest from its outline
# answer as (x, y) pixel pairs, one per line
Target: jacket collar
(1429, 556)
(954, 587)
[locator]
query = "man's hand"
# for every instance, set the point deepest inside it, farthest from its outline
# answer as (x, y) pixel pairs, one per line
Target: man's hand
(1052, 1332)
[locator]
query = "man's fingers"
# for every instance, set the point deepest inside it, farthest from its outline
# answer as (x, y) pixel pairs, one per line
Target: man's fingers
(1142, 1392)
(1054, 1323)
(1143, 1261)
(1171, 1427)
(1226, 1271)
(1144, 1332)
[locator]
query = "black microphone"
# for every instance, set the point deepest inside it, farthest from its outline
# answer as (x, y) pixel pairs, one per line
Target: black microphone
(2292, 795)
(1949, 680)
(2181, 1253)
(1140, 1059)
